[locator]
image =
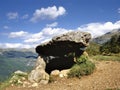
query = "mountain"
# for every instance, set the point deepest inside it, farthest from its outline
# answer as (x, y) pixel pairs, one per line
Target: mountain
(15, 59)
(104, 38)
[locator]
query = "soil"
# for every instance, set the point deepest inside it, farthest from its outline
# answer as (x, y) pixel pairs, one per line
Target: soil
(105, 77)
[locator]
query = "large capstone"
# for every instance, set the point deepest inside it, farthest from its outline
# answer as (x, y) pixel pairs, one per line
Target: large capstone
(59, 53)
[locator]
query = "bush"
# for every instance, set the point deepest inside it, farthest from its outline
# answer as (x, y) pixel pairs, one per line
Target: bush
(82, 67)
(81, 59)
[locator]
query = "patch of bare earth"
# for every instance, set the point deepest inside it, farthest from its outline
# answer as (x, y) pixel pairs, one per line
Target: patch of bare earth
(106, 76)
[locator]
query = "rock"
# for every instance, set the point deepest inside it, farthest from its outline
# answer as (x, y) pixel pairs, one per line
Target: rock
(34, 85)
(40, 64)
(59, 53)
(64, 73)
(18, 72)
(63, 44)
(44, 81)
(26, 84)
(39, 74)
(55, 73)
(20, 82)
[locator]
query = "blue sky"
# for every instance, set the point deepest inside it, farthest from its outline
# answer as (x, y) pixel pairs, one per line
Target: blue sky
(27, 23)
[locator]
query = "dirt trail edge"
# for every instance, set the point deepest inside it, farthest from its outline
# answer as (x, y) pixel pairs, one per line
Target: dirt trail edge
(105, 77)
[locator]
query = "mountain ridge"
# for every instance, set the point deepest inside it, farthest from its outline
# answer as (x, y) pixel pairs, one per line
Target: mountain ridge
(107, 36)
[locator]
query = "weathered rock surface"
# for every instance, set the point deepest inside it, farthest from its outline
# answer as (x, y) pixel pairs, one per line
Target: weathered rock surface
(63, 44)
(55, 73)
(38, 74)
(57, 52)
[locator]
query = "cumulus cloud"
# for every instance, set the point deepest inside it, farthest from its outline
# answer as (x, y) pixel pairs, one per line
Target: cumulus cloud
(45, 35)
(12, 15)
(48, 13)
(97, 29)
(18, 34)
(52, 24)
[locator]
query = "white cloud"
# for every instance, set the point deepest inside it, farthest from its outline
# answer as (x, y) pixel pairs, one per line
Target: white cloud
(48, 13)
(97, 29)
(46, 34)
(52, 24)
(18, 34)
(5, 27)
(25, 16)
(12, 15)
(16, 45)
(33, 38)
(118, 10)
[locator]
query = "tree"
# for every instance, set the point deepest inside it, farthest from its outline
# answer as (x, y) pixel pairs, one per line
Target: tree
(112, 46)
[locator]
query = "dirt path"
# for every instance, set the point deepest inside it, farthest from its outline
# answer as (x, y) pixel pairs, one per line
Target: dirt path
(105, 77)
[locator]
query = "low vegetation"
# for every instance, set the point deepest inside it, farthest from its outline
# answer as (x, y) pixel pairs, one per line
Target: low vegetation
(106, 58)
(82, 67)
(14, 79)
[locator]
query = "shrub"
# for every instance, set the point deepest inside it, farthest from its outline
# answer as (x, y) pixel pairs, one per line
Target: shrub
(82, 67)
(81, 59)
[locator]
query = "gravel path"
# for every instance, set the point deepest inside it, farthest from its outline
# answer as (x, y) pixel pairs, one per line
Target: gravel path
(105, 77)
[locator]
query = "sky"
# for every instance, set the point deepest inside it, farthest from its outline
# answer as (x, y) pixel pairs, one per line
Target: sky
(28, 23)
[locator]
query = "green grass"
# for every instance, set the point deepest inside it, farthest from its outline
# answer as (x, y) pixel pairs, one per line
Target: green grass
(106, 58)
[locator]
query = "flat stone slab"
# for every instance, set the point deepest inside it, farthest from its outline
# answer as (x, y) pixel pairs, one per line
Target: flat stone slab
(64, 44)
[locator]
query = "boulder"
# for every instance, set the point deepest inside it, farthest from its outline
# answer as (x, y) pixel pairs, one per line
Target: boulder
(64, 73)
(38, 74)
(18, 72)
(55, 73)
(59, 53)
(65, 43)
(40, 64)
